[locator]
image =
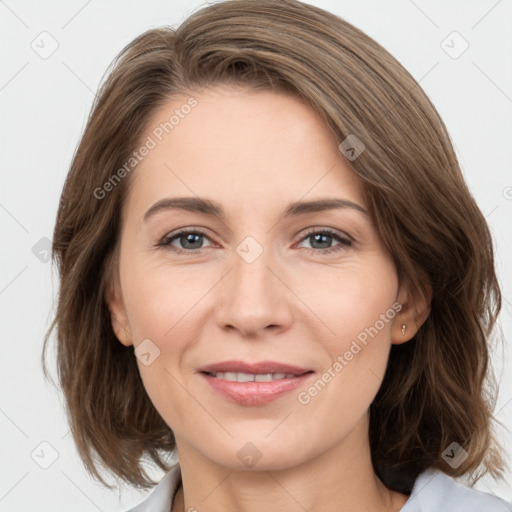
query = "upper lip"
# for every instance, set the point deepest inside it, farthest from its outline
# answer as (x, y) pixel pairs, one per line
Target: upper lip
(255, 368)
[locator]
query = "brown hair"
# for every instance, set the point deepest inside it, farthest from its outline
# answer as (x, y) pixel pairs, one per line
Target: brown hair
(435, 388)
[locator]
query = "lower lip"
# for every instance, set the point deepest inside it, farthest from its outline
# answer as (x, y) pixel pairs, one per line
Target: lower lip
(255, 393)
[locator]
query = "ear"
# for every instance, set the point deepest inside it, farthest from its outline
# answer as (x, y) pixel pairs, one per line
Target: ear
(118, 315)
(413, 313)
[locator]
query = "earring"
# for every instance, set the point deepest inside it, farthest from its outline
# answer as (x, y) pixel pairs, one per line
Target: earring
(403, 329)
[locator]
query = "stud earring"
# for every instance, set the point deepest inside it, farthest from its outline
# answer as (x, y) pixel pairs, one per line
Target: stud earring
(403, 329)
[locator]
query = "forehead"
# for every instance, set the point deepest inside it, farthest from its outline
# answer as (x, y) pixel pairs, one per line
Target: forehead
(250, 147)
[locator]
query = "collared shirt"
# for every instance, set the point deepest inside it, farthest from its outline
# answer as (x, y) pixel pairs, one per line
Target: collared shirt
(433, 491)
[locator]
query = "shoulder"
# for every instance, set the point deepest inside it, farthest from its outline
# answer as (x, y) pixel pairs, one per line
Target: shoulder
(435, 491)
(161, 497)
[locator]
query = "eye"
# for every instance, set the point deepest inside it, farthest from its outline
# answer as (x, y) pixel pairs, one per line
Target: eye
(190, 239)
(321, 237)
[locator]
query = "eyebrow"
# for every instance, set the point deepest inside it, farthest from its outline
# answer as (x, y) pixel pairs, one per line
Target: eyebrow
(212, 208)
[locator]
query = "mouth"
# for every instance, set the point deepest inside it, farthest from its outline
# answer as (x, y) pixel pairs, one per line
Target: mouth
(257, 368)
(253, 383)
(252, 377)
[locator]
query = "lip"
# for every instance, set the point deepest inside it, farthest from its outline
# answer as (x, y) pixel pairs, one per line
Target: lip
(256, 368)
(254, 393)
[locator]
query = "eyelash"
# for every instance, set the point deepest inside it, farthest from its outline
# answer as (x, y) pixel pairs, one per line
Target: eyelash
(344, 242)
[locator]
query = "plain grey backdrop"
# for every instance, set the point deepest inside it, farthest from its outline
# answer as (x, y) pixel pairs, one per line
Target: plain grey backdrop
(54, 54)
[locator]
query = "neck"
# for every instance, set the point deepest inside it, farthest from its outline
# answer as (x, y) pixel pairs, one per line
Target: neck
(340, 479)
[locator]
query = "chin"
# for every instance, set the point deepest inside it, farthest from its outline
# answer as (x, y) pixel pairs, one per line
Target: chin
(255, 455)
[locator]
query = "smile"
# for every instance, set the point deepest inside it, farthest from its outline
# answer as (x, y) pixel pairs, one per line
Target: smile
(252, 377)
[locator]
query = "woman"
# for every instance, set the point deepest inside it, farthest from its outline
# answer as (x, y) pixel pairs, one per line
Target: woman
(270, 263)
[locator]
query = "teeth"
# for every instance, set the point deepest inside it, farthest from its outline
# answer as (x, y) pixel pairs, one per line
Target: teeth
(230, 376)
(267, 377)
(251, 377)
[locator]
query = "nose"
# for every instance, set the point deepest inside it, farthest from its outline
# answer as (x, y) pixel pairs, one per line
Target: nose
(254, 296)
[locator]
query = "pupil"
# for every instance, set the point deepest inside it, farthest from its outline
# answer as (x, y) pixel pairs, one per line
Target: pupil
(190, 238)
(319, 237)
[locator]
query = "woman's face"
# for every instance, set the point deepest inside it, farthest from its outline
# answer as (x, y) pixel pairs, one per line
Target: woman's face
(254, 285)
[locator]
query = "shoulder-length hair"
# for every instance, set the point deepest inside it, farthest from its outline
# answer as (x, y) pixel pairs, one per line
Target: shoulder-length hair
(438, 386)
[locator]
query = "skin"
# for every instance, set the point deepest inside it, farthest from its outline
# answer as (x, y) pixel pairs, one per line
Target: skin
(254, 152)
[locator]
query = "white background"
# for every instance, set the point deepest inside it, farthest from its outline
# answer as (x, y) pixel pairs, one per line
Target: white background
(44, 106)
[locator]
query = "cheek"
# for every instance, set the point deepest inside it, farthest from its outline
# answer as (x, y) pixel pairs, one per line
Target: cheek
(359, 312)
(165, 301)
(159, 297)
(351, 299)
(164, 306)
(160, 305)
(356, 309)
